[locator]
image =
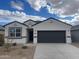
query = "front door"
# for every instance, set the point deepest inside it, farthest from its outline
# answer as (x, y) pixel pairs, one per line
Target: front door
(30, 35)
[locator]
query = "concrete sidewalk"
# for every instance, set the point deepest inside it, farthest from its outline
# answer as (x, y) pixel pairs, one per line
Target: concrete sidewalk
(56, 51)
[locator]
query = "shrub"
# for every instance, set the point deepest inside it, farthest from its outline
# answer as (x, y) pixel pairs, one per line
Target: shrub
(7, 46)
(14, 44)
(24, 47)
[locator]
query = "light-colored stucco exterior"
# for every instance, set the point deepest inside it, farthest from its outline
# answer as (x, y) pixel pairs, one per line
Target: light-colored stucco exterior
(24, 33)
(52, 25)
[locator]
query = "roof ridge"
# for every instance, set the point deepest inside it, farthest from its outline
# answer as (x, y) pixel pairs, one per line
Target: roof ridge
(53, 19)
(13, 22)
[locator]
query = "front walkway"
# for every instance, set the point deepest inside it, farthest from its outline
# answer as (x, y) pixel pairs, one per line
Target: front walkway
(56, 51)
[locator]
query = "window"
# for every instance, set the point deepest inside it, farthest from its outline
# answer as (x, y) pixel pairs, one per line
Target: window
(15, 32)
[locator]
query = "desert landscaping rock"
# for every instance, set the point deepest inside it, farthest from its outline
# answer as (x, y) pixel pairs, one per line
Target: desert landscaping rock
(18, 53)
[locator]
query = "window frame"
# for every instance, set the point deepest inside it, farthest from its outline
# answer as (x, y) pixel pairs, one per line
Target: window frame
(15, 37)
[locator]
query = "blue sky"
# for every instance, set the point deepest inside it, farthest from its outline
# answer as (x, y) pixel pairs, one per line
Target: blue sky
(22, 10)
(5, 4)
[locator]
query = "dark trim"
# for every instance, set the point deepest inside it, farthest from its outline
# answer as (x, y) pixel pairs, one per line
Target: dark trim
(13, 37)
(35, 36)
(16, 38)
(68, 36)
(14, 22)
(74, 29)
(28, 20)
(24, 36)
(51, 30)
(53, 19)
(33, 21)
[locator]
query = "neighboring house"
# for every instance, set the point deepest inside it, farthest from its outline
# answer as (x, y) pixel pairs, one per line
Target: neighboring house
(2, 31)
(47, 31)
(75, 33)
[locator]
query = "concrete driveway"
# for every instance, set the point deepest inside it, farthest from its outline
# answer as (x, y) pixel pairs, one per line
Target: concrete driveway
(56, 51)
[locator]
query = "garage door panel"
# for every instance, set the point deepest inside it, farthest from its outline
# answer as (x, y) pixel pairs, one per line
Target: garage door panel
(51, 36)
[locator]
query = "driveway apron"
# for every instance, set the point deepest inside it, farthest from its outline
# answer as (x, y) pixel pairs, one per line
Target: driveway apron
(56, 51)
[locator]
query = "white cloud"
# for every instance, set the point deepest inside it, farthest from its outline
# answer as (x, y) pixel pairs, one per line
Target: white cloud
(74, 21)
(55, 2)
(66, 21)
(66, 8)
(60, 7)
(17, 5)
(37, 4)
(21, 17)
(18, 16)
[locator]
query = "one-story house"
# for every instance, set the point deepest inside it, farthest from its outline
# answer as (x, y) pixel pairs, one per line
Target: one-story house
(50, 30)
(75, 33)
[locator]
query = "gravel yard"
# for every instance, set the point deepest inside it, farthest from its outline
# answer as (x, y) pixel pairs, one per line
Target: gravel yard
(18, 53)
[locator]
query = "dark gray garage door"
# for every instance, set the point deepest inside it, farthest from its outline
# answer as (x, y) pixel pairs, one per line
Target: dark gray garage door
(51, 36)
(75, 35)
